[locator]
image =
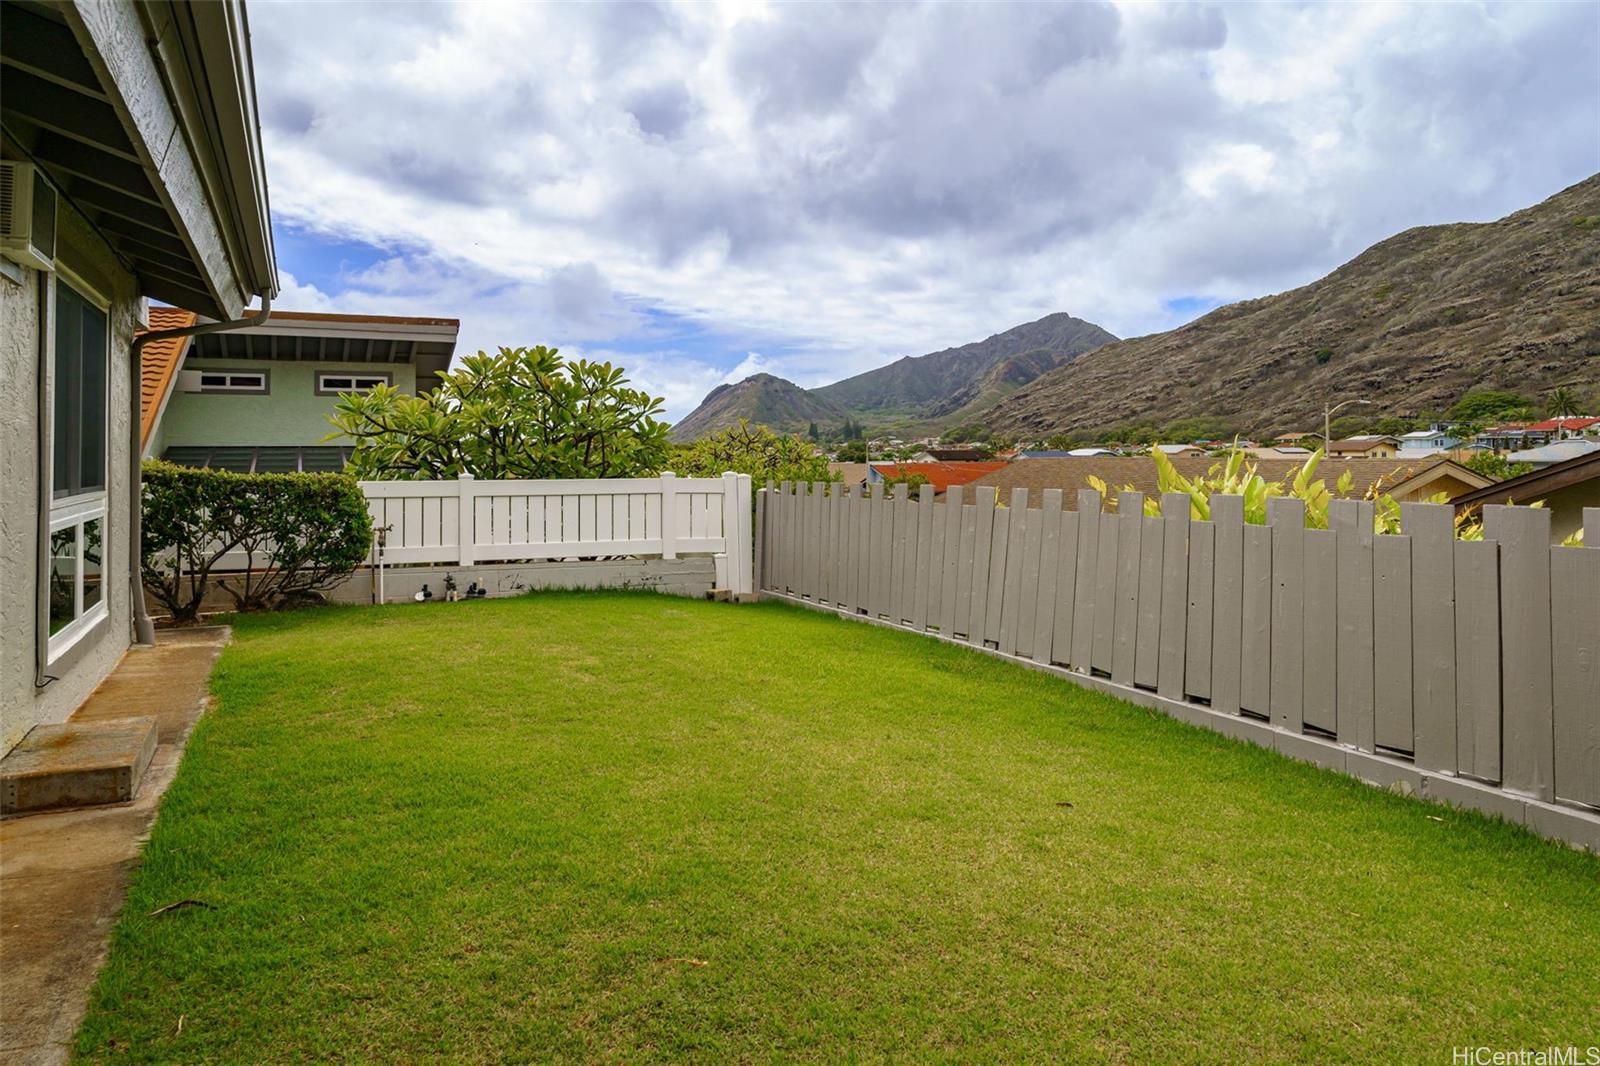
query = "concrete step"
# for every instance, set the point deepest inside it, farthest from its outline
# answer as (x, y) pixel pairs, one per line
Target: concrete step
(77, 764)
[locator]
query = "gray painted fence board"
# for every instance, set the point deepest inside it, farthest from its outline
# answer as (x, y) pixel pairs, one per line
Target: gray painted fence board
(1287, 517)
(964, 566)
(762, 539)
(1591, 527)
(1028, 607)
(1010, 610)
(908, 571)
(836, 564)
(999, 555)
(1130, 537)
(1255, 640)
(936, 572)
(1352, 520)
(1173, 637)
(1227, 629)
(787, 543)
(1202, 575)
(1575, 621)
(1321, 630)
(1086, 583)
(1478, 659)
(1433, 632)
(1044, 612)
(952, 551)
(925, 569)
(812, 507)
(1392, 653)
(898, 609)
(1528, 737)
(983, 548)
(882, 553)
(1063, 623)
(1147, 626)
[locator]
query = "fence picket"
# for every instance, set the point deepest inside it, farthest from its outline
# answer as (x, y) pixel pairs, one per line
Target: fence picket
(1197, 635)
(1025, 631)
(1523, 534)
(1227, 629)
(1352, 520)
(1477, 581)
(1433, 627)
(1044, 614)
(1320, 709)
(983, 547)
(1086, 583)
(949, 581)
(1107, 558)
(898, 608)
(1173, 636)
(1575, 625)
(1393, 725)
(1063, 625)
(922, 573)
(1147, 625)
(1124, 626)
(1286, 517)
(1009, 610)
(1255, 637)
(964, 569)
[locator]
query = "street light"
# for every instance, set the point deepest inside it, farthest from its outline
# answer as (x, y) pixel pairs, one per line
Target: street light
(1327, 420)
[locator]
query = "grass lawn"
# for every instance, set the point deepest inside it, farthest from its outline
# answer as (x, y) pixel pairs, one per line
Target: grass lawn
(630, 827)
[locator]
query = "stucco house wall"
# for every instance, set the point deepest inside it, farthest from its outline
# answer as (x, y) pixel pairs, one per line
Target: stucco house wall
(23, 704)
(290, 413)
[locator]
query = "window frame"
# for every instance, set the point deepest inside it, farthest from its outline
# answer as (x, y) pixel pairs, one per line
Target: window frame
(264, 388)
(379, 377)
(76, 510)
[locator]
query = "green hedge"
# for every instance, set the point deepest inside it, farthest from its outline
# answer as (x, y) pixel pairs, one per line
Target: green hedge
(302, 533)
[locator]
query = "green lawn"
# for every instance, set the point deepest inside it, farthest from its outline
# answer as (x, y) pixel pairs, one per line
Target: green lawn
(638, 828)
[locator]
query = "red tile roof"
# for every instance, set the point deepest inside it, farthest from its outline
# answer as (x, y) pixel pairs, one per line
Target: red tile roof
(1565, 423)
(158, 362)
(940, 475)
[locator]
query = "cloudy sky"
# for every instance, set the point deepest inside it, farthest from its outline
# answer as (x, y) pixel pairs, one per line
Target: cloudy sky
(702, 191)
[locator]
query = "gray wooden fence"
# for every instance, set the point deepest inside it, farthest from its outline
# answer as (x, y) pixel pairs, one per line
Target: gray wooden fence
(1467, 671)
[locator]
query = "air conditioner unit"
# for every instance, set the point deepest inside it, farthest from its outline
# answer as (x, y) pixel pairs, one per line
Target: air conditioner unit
(27, 216)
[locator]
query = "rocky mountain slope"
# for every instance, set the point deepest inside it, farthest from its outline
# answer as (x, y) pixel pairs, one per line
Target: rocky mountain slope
(927, 392)
(1411, 323)
(762, 399)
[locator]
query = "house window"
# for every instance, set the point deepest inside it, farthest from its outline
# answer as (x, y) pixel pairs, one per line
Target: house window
(78, 427)
(233, 381)
(335, 383)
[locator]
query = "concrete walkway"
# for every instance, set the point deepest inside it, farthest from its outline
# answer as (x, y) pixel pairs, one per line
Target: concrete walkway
(63, 875)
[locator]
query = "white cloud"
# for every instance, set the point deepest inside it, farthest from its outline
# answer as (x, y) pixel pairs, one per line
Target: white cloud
(857, 183)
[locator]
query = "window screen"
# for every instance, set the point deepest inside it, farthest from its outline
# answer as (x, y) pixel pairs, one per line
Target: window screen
(79, 383)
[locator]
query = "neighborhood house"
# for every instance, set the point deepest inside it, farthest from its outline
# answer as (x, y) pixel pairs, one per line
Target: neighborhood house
(258, 399)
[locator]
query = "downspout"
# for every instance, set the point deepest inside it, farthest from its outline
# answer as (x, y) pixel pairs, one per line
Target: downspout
(144, 629)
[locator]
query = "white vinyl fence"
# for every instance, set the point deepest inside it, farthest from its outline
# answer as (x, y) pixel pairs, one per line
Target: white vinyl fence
(466, 522)
(1466, 671)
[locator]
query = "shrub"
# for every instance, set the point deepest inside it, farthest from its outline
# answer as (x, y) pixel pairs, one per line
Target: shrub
(753, 450)
(300, 534)
(1323, 356)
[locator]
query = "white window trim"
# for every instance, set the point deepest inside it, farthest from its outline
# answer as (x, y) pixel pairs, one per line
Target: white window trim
(354, 376)
(261, 386)
(85, 506)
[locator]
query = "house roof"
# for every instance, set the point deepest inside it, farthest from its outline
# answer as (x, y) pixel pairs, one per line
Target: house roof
(1070, 475)
(1556, 452)
(1551, 424)
(1359, 444)
(850, 473)
(427, 343)
(159, 148)
(1534, 486)
(959, 455)
(1430, 472)
(158, 365)
(940, 475)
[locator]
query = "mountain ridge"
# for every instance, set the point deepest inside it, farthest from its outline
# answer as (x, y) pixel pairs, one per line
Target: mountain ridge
(1412, 323)
(915, 391)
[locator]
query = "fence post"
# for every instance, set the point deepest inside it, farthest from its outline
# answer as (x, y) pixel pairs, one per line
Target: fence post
(669, 515)
(736, 532)
(466, 507)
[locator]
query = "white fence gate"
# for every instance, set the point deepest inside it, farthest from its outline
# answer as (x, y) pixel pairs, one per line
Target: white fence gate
(465, 522)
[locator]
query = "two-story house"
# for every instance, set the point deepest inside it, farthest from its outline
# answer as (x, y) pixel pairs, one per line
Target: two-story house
(258, 399)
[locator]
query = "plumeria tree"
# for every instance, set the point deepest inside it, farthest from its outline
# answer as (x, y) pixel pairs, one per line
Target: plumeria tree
(520, 413)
